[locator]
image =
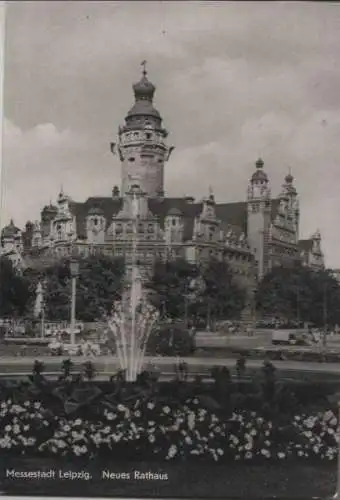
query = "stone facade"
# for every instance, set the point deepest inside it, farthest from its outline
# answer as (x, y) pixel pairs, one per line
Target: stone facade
(252, 235)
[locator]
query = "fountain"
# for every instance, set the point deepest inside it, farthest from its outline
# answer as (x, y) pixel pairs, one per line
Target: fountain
(133, 317)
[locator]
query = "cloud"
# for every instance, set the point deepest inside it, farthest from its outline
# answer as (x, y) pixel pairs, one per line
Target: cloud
(235, 80)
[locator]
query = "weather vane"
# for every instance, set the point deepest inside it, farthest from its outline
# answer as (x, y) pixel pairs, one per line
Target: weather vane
(143, 63)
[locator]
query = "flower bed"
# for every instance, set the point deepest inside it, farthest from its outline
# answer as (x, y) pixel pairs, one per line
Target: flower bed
(172, 432)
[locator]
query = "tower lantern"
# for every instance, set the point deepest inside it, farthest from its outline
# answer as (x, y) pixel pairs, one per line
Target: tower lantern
(142, 141)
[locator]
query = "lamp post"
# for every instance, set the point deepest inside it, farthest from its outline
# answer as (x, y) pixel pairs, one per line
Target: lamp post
(324, 338)
(74, 270)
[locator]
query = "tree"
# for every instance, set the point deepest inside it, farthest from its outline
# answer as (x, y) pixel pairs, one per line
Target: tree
(169, 286)
(99, 283)
(300, 293)
(183, 289)
(223, 298)
(14, 290)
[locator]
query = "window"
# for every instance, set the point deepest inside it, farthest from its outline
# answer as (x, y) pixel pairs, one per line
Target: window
(95, 221)
(174, 222)
(132, 159)
(148, 135)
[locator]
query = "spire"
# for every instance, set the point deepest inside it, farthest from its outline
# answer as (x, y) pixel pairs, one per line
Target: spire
(143, 63)
(289, 178)
(259, 175)
(144, 90)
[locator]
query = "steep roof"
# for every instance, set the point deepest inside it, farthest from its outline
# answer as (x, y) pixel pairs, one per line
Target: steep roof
(10, 231)
(306, 245)
(233, 214)
(108, 206)
(162, 207)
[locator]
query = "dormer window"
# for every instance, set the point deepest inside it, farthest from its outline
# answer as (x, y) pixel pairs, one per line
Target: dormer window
(174, 222)
(95, 221)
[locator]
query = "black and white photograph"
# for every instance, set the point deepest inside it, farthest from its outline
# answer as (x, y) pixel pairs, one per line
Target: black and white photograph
(169, 251)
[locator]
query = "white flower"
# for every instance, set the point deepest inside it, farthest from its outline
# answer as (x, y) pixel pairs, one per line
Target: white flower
(137, 413)
(188, 440)
(16, 429)
(152, 438)
(120, 407)
(110, 416)
(78, 421)
(166, 409)
(150, 406)
(281, 455)
(37, 405)
(8, 428)
(220, 451)
(172, 451)
(248, 455)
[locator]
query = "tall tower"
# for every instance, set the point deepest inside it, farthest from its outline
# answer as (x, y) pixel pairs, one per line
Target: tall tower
(142, 142)
(259, 215)
(293, 208)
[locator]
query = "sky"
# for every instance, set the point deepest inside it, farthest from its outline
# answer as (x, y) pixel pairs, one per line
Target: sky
(235, 81)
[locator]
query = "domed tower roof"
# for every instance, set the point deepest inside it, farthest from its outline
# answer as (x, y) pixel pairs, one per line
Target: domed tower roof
(10, 231)
(259, 175)
(289, 178)
(144, 92)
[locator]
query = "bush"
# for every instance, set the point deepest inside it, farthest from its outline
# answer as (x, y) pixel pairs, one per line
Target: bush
(171, 340)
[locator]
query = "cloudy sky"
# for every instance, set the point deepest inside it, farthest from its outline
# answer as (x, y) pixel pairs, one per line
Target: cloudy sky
(234, 81)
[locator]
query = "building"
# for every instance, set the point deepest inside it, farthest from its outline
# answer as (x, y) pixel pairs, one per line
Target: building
(253, 235)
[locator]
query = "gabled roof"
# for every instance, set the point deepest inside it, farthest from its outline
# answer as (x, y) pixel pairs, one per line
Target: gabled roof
(306, 245)
(233, 214)
(108, 206)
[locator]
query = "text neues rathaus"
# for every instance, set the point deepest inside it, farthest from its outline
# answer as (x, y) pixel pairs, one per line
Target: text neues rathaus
(253, 235)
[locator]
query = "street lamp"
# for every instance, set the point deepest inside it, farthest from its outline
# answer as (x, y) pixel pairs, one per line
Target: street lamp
(325, 314)
(74, 270)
